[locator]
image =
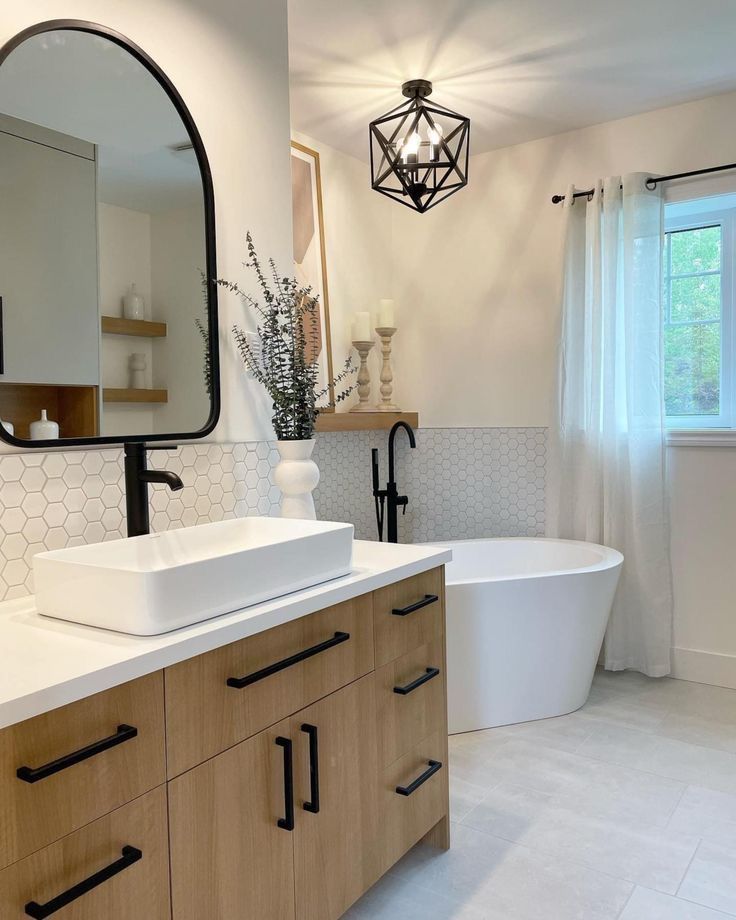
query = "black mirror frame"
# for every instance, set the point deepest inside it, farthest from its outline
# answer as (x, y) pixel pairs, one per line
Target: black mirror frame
(80, 25)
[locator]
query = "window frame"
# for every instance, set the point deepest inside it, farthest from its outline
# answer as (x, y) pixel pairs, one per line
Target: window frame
(725, 218)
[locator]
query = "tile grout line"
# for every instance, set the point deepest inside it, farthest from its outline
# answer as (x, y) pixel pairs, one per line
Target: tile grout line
(628, 901)
(684, 876)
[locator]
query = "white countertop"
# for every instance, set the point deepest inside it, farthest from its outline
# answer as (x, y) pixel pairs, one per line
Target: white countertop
(47, 663)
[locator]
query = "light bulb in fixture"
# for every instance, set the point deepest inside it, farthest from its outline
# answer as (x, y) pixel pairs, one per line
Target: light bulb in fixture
(410, 150)
(434, 135)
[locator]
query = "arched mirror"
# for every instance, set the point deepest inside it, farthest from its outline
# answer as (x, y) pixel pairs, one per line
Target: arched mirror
(107, 246)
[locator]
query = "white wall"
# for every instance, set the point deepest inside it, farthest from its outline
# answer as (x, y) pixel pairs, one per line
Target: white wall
(229, 60)
(124, 258)
(177, 257)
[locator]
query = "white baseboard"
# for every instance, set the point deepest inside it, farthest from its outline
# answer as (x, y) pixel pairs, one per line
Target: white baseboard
(704, 667)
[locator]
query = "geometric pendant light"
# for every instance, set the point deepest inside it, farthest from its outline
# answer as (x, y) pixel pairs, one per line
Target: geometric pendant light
(419, 150)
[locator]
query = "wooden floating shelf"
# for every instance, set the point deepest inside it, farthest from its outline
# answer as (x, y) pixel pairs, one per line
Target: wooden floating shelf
(364, 421)
(118, 325)
(126, 395)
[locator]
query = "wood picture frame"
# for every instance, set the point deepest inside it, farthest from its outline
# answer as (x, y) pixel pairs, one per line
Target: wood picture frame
(310, 258)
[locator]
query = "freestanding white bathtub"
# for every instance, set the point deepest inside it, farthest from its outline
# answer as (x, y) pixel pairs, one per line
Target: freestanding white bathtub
(525, 624)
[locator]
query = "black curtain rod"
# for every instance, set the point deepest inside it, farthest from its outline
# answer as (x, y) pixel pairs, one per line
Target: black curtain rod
(653, 182)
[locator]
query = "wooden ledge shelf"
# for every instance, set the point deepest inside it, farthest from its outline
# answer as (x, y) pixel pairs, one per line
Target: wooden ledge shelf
(127, 395)
(364, 421)
(118, 325)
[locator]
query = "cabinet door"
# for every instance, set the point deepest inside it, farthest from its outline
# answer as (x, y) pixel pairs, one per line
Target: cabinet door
(230, 859)
(336, 853)
(48, 264)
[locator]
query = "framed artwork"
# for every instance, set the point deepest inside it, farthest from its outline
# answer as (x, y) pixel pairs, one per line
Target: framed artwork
(310, 262)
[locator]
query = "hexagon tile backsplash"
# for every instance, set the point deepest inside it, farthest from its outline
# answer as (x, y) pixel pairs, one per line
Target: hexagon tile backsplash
(462, 483)
(52, 500)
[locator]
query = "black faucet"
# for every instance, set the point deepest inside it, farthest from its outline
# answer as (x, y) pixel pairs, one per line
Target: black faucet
(389, 497)
(137, 477)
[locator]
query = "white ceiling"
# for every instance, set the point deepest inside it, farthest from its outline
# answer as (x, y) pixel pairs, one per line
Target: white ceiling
(520, 69)
(89, 88)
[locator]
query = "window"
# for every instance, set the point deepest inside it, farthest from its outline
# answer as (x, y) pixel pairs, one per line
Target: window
(699, 358)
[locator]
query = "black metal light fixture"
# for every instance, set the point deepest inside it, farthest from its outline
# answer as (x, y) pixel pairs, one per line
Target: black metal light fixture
(419, 150)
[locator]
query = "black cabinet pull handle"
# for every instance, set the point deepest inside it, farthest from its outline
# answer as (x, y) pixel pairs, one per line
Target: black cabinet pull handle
(407, 688)
(432, 767)
(38, 911)
(313, 804)
(424, 602)
(240, 682)
(287, 822)
(34, 774)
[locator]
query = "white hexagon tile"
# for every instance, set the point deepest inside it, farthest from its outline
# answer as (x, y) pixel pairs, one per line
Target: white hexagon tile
(462, 483)
(53, 500)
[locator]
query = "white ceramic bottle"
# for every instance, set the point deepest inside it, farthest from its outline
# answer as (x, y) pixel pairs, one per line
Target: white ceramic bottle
(8, 426)
(44, 429)
(134, 307)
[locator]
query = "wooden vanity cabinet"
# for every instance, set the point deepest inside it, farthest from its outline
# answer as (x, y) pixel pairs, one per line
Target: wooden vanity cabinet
(285, 824)
(336, 848)
(229, 857)
(287, 795)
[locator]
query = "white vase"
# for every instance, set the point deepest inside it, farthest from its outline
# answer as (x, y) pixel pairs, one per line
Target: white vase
(44, 429)
(137, 366)
(134, 306)
(297, 476)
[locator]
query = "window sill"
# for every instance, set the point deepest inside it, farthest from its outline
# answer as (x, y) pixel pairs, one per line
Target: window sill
(701, 437)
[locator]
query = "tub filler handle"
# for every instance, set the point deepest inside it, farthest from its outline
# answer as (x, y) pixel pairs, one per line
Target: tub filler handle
(424, 602)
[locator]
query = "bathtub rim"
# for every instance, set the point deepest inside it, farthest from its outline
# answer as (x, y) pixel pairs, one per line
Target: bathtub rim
(612, 559)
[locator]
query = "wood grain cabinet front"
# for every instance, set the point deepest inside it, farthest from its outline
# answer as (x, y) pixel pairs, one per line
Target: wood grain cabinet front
(229, 855)
(223, 697)
(414, 797)
(410, 696)
(63, 769)
(336, 837)
(283, 826)
(408, 614)
(116, 868)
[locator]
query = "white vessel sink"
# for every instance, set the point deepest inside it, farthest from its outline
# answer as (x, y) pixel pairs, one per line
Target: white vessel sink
(153, 584)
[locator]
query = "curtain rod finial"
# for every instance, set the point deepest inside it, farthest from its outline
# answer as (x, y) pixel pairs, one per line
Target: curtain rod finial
(558, 199)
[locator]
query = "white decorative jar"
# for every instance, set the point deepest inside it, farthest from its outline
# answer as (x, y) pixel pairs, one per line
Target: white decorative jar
(297, 476)
(137, 366)
(44, 429)
(8, 426)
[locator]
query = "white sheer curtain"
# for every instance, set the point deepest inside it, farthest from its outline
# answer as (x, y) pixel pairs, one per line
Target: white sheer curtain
(608, 450)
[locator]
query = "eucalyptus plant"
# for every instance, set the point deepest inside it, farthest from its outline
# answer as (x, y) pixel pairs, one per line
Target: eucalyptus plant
(204, 331)
(286, 363)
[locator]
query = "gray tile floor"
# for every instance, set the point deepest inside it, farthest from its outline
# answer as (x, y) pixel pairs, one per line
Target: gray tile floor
(625, 809)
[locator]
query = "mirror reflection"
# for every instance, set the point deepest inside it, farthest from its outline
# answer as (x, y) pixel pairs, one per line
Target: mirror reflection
(102, 247)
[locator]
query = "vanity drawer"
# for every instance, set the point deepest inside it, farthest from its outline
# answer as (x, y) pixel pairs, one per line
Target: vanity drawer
(122, 858)
(63, 769)
(409, 816)
(271, 675)
(408, 614)
(411, 700)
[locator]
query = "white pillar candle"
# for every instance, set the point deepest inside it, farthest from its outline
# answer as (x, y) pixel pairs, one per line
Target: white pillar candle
(386, 314)
(361, 327)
